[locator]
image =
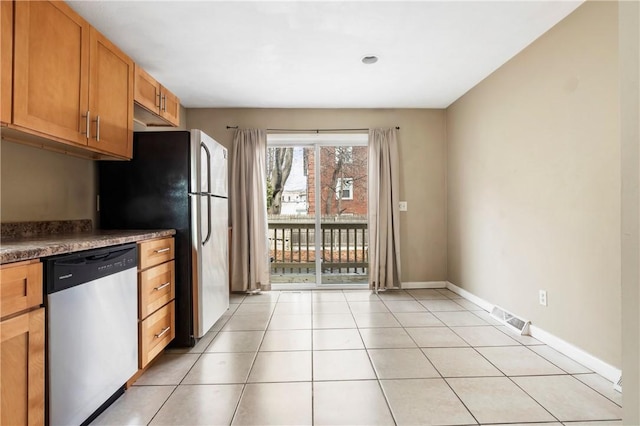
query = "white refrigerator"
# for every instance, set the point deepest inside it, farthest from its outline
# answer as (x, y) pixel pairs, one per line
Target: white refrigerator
(210, 230)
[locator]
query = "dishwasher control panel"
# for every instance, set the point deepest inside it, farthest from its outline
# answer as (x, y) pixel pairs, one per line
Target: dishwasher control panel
(69, 270)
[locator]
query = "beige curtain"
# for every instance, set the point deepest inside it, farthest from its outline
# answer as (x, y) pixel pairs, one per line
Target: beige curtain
(384, 226)
(249, 244)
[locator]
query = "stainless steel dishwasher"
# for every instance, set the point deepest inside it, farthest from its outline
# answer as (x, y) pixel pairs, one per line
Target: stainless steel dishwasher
(92, 331)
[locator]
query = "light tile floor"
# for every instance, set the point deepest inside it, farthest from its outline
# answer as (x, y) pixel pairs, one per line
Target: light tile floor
(323, 357)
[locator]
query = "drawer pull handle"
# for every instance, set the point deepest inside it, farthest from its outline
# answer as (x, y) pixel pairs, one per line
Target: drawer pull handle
(164, 250)
(163, 332)
(160, 287)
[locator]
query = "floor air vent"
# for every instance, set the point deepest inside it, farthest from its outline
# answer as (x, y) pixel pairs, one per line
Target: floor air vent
(510, 320)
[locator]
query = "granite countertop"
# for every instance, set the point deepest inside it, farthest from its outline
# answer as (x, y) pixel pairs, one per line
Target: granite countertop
(14, 249)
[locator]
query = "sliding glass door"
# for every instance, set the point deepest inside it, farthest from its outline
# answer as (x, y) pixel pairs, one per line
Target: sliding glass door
(317, 210)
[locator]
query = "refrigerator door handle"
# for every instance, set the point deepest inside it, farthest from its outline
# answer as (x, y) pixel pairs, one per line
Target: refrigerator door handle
(206, 239)
(206, 150)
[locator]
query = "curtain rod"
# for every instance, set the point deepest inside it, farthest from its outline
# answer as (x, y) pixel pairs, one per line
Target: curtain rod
(312, 130)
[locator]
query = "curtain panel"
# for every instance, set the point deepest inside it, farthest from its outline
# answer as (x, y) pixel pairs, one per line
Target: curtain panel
(384, 223)
(249, 242)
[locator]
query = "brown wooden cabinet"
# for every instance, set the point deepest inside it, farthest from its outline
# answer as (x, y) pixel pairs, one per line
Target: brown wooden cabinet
(21, 344)
(156, 290)
(70, 84)
(155, 105)
(6, 60)
(110, 97)
(51, 79)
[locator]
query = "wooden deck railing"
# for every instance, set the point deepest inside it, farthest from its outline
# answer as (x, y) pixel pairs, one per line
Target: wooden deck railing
(343, 247)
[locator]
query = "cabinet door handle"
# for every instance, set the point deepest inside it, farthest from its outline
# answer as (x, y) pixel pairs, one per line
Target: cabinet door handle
(163, 332)
(160, 287)
(88, 117)
(98, 128)
(159, 101)
(164, 250)
(164, 103)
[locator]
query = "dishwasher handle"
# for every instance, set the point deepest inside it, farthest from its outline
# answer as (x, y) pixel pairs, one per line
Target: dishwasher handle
(80, 260)
(66, 271)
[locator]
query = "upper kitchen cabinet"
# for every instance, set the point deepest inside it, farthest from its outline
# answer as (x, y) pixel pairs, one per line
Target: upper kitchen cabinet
(110, 97)
(70, 84)
(6, 59)
(51, 79)
(155, 105)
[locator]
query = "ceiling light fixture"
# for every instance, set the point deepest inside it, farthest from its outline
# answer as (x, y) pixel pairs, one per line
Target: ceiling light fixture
(369, 59)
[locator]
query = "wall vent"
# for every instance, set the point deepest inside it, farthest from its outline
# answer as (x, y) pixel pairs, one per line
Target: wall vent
(507, 318)
(618, 385)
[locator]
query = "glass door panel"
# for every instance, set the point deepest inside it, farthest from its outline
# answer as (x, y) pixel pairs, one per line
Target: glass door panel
(342, 211)
(290, 186)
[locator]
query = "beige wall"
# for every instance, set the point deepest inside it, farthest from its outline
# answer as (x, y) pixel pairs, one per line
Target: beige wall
(534, 183)
(36, 184)
(422, 176)
(629, 16)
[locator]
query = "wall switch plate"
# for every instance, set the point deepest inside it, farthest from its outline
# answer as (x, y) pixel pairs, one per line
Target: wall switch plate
(403, 206)
(542, 297)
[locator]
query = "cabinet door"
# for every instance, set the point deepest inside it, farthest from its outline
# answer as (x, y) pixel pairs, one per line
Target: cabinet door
(6, 59)
(20, 287)
(147, 90)
(110, 97)
(51, 55)
(170, 107)
(22, 379)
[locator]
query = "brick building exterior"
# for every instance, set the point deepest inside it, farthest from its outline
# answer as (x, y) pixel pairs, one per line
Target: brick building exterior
(343, 180)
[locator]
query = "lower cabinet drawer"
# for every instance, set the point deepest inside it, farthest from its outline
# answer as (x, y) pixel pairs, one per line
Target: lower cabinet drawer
(157, 287)
(20, 287)
(156, 332)
(155, 252)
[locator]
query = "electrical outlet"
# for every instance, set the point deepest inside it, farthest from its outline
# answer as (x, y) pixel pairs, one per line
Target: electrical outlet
(542, 297)
(403, 206)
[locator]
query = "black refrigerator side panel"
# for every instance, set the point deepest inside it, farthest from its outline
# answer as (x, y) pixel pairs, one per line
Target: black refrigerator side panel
(151, 192)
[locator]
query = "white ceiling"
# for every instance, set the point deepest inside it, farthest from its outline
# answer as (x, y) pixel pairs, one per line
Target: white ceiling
(306, 54)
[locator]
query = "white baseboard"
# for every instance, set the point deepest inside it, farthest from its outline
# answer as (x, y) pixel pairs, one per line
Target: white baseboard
(595, 364)
(413, 285)
(470, 297)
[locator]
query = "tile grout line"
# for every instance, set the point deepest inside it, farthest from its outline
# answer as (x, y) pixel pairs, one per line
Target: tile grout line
(372, 365)
(510, 377)
(438, 371)
(536, 401)
(505, 375)
(255, 356)
(244, 386)
(593, 388)
(181, 380)
(377, 377)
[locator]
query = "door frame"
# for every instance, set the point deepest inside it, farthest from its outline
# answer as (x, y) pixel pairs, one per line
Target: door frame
(316, 141)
